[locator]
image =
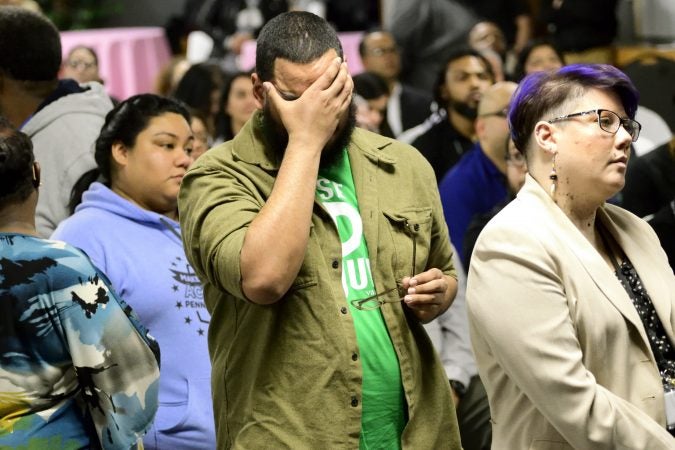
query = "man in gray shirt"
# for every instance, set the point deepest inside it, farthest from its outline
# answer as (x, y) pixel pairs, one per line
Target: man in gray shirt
(62, 118)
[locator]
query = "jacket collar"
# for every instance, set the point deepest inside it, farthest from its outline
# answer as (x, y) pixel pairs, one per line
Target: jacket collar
(604, 277)
(636, 245)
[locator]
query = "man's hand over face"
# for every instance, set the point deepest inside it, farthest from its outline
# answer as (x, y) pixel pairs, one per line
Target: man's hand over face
(312, 118)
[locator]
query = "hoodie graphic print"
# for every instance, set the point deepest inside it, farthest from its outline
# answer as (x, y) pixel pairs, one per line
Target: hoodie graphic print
(142, 254)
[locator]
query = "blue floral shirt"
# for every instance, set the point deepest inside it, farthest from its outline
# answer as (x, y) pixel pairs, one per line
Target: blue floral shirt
(77, 370)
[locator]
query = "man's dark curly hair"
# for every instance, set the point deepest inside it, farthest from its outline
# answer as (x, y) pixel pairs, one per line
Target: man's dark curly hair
(297, 36)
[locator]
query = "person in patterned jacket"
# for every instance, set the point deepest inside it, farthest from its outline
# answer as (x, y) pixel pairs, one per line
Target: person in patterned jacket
(77, 369)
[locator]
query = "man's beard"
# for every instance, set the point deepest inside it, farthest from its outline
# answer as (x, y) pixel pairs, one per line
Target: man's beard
(276, 136)
(464, 109)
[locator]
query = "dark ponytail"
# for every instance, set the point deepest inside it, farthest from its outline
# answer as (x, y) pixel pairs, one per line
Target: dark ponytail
(80, 186)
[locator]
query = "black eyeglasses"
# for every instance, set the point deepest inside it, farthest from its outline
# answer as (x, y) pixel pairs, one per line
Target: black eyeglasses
(608, 121)
(376, 301)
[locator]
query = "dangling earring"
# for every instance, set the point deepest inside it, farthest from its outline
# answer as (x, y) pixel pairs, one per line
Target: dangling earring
(36, 178)
(553, 176)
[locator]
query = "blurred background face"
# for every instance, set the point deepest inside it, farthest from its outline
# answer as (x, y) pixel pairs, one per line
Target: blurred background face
(382, 56)
(487, 35)
(81, 66)
(516, 168)
(466, 79)
(202, 140)
(542, 58)
(494, 130)
(370, 113)
(150, 173)
(240, 103)
(378, 108)
(492, 126)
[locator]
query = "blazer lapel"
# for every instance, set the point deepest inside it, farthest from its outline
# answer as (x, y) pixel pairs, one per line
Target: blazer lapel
(641, 252)
(601, 274)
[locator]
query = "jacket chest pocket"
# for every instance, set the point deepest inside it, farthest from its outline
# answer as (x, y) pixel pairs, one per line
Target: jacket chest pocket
(410, 231)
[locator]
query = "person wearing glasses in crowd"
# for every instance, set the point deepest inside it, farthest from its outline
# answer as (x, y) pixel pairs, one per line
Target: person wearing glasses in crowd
(407, 107)
(476, 184)
(451, 132)
(202, 138)
(570, 298)
(237, 105)
(323, 249)
(81, 65)
(536, 56)
(372, 89)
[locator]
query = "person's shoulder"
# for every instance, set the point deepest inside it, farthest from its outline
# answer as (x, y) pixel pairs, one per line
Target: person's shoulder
(431, 138)
(518, 219)
(57, 251)
(441, 132)
(404, 156)
(374, 141)
(215, 160)
(659, 158)
(93, 101)
(74, 119)
(665, 215)
(86, 224)
(638, 229)
(62, 247)
(622, 217)
(388, 147)
(465, 168)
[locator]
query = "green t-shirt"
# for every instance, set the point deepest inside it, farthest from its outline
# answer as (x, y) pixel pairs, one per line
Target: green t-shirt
(383, 405)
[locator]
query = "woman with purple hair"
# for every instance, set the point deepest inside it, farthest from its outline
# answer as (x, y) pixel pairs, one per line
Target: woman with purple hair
(571, 300)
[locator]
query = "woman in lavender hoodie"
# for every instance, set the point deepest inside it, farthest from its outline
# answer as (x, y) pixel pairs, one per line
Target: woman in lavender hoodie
(127, 224)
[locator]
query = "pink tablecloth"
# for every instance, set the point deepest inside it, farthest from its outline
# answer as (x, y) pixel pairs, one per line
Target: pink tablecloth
(350, 46)
(129, 58)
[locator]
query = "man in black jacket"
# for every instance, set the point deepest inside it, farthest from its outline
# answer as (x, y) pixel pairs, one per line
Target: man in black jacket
(407, 106)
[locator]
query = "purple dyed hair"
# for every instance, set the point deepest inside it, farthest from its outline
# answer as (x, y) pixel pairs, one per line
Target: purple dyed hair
(542, 92)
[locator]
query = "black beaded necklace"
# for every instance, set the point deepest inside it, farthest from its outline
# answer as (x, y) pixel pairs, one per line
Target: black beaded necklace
(662, 348)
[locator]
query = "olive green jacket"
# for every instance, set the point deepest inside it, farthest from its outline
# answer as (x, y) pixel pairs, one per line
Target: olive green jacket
(288, 375)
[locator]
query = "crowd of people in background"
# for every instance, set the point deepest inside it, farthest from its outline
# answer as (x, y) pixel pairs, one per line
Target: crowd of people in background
(181, 212)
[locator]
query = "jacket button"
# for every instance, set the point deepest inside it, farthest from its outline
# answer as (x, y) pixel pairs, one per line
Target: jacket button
(355, 356)
(355, 401)
(335, 264)
(343, 310)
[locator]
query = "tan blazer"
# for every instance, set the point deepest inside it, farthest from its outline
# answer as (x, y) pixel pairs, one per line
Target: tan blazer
(560, 347)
